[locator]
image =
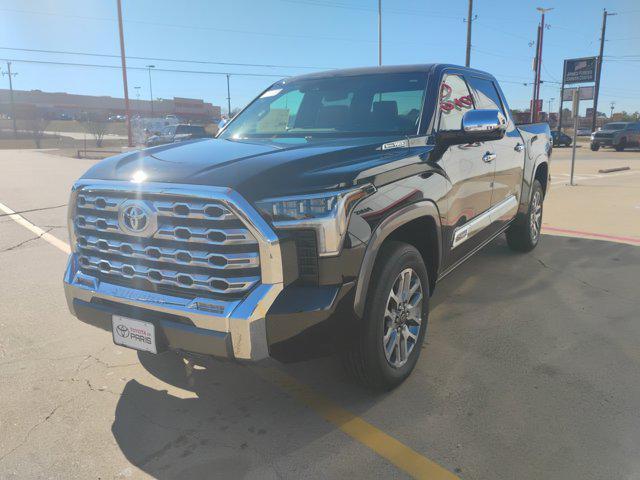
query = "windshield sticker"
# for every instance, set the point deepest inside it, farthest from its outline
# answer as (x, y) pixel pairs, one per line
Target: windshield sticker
(447, 103)
(271, 93)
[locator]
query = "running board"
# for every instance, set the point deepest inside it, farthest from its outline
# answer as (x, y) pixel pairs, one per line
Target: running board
(503, 210)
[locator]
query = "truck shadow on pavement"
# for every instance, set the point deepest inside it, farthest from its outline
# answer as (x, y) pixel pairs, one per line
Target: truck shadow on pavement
(486, 325)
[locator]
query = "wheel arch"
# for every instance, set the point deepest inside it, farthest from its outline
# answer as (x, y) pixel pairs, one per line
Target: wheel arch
(403, 225)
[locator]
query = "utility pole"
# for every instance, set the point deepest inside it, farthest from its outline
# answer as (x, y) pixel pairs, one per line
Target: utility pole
(538, 65)
(612, 105)
(536, 62)
(549, 115)
(124, 76)
(228, 97)
(149, 67)
(379, 32)
(470, 19)
(605, 14)
(13, 105)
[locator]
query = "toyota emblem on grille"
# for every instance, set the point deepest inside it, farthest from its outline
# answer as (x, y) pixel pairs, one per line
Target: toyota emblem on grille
(137, 218)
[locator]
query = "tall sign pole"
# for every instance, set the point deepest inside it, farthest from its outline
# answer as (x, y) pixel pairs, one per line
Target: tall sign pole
(564, 73)
(605, 14)
(124, 76)
(575, 109)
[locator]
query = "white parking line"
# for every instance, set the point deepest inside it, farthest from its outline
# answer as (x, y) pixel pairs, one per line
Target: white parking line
(47, 237)
(589, 176)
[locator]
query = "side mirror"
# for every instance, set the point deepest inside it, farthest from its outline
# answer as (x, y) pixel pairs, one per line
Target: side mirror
(477, 126)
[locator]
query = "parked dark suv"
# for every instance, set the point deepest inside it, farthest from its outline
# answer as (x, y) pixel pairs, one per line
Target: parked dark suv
(560, 139)
(618, 135)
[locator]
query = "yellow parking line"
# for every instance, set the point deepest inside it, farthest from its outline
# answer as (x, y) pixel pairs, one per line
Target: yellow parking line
(47, 237)
(389, 448)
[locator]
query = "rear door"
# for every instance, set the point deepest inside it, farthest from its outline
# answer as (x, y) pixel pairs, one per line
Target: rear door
(509, 151)
(471, 177)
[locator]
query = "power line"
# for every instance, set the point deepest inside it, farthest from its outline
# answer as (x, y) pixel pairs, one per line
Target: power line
(214, 29)
(159, 59)
(169, 70)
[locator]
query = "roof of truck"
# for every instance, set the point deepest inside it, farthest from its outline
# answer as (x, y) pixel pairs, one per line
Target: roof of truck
(425, 67)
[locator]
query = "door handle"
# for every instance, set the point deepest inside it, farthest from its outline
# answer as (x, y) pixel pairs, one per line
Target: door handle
(519, 147)
(488, 157)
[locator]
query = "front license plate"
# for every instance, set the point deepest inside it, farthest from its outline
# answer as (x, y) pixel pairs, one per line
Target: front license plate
(136, 334)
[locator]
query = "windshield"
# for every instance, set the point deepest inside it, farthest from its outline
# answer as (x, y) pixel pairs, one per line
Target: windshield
(614, 126)
(374, 104)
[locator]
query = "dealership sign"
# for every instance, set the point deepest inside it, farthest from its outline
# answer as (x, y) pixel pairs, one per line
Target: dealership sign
(580, 70)
(586, 93)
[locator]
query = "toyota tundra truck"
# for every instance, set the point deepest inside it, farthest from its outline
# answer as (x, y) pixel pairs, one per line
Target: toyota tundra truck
(320, 219)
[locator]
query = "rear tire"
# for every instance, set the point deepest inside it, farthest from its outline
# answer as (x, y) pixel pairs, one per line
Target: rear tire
(621, 146)
(523, 237)
(386, 344)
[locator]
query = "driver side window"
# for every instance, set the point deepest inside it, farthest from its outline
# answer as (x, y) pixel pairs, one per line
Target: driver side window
(455, 99)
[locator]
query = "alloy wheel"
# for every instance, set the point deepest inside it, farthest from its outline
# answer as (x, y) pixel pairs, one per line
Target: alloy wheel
(402, 318)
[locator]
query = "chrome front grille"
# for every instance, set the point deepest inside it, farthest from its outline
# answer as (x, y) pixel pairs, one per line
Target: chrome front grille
(198, 247)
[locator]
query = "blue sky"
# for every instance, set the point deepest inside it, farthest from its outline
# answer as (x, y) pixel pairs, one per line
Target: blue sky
(321, 34)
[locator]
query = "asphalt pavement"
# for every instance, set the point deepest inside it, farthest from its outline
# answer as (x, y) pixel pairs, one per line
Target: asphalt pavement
(531, 367)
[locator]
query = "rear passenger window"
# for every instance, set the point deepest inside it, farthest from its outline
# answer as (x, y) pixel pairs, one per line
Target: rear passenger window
(455, 100)
(485, 94)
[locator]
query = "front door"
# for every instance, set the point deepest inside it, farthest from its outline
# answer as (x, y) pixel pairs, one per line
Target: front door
(509, 151)
(470, 174)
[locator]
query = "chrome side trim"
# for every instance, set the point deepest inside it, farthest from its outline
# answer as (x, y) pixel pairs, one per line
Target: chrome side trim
(505, 208)
(450, 269)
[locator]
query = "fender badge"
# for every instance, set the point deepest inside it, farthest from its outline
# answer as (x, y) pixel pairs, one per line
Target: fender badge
(396, 144)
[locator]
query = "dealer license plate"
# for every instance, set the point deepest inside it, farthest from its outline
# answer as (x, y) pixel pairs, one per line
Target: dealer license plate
(136, 334)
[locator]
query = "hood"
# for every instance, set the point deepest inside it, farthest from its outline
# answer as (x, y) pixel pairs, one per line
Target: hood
(257, 168)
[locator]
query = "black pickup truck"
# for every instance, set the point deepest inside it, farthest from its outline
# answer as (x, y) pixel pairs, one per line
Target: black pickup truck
(319, 219)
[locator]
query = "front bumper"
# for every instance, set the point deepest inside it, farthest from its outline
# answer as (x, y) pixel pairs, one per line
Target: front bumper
(226, 329)
(291, 324)
(603, 142)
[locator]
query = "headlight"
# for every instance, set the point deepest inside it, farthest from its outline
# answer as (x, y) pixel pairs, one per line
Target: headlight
(593, 135)
(326, 213)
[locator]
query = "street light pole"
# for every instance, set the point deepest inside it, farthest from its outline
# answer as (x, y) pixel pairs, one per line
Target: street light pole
(149, 67)
(612, 105)
(550, 100)
(13, 105)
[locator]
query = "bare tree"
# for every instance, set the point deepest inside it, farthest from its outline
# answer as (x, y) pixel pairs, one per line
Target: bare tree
(34, 122)
(96, 125)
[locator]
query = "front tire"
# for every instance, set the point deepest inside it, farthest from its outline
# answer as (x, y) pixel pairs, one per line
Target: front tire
(595, 147)
(524, 237)
(387, 342)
